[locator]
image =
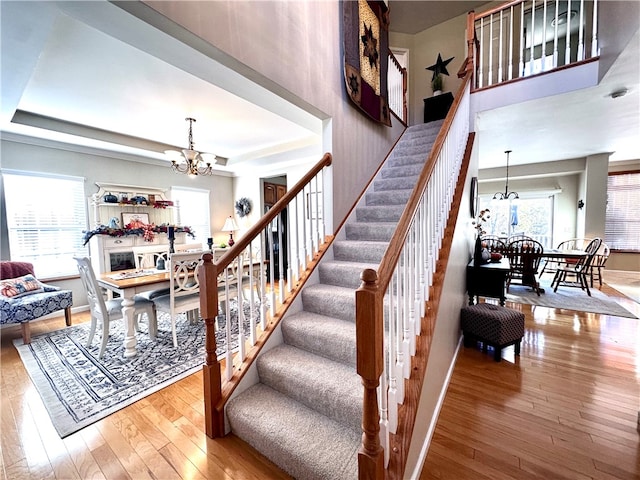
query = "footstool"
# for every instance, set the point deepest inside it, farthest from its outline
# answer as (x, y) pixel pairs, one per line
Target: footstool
(492, 325)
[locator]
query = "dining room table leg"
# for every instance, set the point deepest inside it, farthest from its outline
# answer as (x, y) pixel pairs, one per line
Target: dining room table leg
(128, 314)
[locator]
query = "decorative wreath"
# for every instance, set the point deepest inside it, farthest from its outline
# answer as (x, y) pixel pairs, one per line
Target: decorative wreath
(243, 207)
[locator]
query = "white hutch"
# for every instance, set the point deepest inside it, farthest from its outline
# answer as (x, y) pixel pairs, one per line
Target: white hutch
(116, 253)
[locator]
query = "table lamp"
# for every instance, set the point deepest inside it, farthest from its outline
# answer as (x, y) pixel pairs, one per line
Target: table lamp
(230, 226)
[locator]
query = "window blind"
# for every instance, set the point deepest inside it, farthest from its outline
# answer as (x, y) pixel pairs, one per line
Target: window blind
(622, 225)
(46, 216)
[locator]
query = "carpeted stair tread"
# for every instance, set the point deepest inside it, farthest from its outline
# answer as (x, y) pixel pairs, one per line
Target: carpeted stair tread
(396, 183)
(327, 336)
(403, 171)
(359, 250)
(398, 197)
(379, 213)
(330, 300)
(331, 388)
(302, 442)
(343, 273)
(405, 160)
(377, 231)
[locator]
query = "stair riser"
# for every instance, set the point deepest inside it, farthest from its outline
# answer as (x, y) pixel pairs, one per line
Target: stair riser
(380, 213)
(403, 171)
(359, 252)
(343, 308)
(372, 231)
(399, 197)
(400, 183)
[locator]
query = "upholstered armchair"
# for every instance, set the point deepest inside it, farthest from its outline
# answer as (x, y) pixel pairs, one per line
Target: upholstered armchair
(24, 298)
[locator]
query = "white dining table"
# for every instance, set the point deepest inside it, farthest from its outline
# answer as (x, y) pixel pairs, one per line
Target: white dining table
(127, 284)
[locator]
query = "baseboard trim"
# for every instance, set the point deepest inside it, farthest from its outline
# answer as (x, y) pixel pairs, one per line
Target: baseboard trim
(434, 418)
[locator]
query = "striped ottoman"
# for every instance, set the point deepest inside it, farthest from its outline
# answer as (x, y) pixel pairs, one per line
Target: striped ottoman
(492, 325)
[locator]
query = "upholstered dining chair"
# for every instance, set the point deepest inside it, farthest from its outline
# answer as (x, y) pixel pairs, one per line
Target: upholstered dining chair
(524, 260)
(575, 275)
(107, 311)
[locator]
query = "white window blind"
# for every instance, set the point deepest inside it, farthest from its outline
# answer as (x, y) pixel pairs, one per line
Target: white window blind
(622, 227)
(46, 215)
(194, 211)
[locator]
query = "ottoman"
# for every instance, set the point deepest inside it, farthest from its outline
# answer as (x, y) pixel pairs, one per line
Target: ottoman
(492, 325)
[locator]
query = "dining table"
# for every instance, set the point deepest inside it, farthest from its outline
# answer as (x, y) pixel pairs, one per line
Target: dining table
(127, 284)
(489, 279)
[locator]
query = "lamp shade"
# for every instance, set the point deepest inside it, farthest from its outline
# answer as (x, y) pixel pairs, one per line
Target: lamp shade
(230, 225)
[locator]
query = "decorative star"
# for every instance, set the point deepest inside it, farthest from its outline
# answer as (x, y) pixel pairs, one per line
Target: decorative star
(440, 67)
(370, 45)
(353, 84)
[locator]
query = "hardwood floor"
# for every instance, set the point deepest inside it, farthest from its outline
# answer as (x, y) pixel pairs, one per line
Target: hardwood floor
(566, 408)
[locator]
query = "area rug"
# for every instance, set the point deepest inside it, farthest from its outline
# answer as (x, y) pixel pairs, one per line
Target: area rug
(79, 389)
(568, 298)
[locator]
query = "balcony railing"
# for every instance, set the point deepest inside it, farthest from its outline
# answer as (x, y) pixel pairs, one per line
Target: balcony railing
(525, 38)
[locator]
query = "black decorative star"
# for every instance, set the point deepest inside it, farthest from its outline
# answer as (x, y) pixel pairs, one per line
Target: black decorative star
(440, 67)
(370, 45)
(353, 84)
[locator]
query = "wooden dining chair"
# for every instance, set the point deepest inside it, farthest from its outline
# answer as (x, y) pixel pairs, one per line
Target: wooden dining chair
(524, 257)
(551, 265)
(493, 243)
(147, 258)
(575, 275)
(598, 263)
(107, 311)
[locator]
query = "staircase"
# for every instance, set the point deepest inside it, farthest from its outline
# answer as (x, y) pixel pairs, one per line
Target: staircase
(306, 412)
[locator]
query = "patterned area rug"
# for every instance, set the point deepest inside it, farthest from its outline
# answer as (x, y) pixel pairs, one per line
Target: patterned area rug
(79, 389)
(569, 298)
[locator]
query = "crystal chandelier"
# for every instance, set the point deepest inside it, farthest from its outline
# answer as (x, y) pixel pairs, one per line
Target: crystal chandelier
(506, 194)
(191, 161)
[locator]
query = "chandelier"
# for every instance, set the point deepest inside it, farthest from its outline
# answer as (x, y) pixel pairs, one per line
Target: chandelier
(191, 162)
(506, 194)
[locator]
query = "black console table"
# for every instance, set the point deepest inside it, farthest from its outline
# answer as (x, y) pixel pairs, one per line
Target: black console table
(436, 108)
(488, 280)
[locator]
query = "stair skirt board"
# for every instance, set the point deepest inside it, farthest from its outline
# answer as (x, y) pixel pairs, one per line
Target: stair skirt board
(305, 413)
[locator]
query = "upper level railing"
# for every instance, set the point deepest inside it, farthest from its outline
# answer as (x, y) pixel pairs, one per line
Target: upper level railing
(397, 88)
(391, 302)
(524, 38)
(266, 264)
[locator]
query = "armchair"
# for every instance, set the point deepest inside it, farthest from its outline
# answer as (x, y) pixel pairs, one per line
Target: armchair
(24, 298)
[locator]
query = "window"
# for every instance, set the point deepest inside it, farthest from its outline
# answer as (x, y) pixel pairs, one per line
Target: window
(194, 211)
(46, 216)
(622, 225)
(532, 216)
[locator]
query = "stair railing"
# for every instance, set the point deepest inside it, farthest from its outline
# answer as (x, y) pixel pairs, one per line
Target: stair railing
(260, 269)
(397, 88)
(528, 37)
(390, 303)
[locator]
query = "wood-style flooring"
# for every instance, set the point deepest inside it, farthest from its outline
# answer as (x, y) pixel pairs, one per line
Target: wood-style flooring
(566, 408)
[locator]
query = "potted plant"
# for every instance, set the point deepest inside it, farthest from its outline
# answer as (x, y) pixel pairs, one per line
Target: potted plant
(436, 84)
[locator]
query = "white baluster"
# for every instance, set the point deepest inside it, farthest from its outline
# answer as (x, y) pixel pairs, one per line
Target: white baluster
(521, 71)
(500, 40)
(490, 73)
(555, 38)
(595, 51)
(510, 75)
(580, 32)
(567, 53)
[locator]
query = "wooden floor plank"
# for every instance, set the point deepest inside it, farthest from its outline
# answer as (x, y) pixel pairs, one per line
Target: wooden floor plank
(565, 409)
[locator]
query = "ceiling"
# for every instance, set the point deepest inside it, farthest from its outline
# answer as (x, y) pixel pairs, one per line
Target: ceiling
(90, 74)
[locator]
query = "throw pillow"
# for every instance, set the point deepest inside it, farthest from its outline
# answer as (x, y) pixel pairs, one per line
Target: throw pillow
(20, 286)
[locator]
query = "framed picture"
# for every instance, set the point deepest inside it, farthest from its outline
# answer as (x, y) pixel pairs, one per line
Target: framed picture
(135, 218)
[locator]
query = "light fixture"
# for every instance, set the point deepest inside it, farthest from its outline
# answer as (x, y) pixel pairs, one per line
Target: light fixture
(507, 194)
(191, 161)
(230, 226)
(562, 18)
(580, 204)
(621, 92)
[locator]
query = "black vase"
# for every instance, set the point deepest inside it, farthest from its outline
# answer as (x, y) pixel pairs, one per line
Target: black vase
(477, 252)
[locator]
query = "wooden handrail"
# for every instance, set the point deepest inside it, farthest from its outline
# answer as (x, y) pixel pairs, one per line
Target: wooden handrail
(244, 241)
(390, 259)
(214, 396)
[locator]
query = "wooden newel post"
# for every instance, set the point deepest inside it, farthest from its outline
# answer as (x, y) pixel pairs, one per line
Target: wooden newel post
(369, 361)
(213, 414)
